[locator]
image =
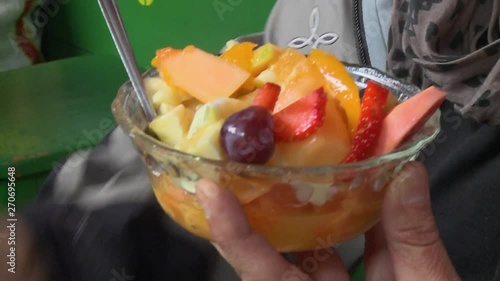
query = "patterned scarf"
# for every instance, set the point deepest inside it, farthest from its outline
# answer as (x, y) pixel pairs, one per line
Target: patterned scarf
(453, 44)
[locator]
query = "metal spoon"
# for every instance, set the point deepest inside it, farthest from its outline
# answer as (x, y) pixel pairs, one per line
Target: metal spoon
(114, 21)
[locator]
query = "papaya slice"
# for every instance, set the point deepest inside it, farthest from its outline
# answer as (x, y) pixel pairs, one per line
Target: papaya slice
(407, 117)
(204, 76)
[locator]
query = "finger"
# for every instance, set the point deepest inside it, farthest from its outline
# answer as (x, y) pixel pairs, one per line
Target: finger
(247, 252)
(378, 263)
(322, 265)
(412, 236)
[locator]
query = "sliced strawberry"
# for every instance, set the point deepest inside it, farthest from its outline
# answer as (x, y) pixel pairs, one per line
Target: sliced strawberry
(267, 96)
(370, 122)
(302, 118)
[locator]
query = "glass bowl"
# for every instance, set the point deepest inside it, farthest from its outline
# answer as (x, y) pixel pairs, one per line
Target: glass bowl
(294, 208)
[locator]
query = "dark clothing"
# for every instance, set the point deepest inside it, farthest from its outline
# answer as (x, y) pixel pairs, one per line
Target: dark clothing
(464, 169)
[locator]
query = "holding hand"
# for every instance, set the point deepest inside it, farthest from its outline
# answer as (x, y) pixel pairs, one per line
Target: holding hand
(404, 246)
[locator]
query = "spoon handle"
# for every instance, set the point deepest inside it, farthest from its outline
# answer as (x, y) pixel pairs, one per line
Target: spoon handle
(115, 24)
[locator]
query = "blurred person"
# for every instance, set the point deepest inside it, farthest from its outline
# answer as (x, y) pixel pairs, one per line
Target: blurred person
(21, 26)
(95, 217)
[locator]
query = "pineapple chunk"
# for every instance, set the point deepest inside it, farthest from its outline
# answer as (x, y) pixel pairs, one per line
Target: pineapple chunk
(219, 109)
(247, 99)
(205, 142)
(172, 127)
(263, 57)
(165, 108)
(153, 85)
(230, 44)
(163, 97)
(266, 76)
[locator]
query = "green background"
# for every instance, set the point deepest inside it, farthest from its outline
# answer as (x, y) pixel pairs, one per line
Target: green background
(208, 24)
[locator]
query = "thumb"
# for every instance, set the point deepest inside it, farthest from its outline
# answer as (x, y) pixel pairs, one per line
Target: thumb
(412, 236)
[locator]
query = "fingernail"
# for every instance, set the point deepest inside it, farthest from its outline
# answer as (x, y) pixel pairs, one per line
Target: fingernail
(412, 191)
(206, 191)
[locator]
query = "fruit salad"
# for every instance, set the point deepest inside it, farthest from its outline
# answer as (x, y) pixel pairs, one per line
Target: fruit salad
(270, 106)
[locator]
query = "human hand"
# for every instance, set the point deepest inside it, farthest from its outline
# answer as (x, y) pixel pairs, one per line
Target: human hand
(404, 246)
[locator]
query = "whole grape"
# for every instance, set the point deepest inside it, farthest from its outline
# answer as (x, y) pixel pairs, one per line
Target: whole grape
(247, 136)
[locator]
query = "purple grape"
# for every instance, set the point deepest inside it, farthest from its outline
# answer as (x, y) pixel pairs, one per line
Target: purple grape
(247, 136)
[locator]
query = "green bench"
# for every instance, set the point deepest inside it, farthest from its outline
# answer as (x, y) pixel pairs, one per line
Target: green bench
(54, 109)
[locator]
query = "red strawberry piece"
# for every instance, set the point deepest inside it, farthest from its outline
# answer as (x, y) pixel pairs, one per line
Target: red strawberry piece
(267, 96)
(370, 122)
(301, 118)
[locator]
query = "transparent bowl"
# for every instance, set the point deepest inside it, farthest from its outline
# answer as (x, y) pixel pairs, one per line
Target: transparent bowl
(294, 208)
